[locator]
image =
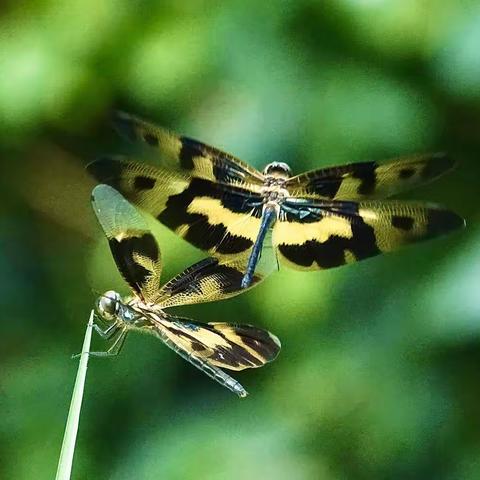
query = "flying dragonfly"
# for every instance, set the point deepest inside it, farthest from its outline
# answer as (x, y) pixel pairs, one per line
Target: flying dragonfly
(320, 219)
(207, 346)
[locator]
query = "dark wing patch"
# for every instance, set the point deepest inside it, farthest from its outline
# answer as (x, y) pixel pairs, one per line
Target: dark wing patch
(366, 180)
(134, 249)
(136, 255)
(144, 183)
(324, 235)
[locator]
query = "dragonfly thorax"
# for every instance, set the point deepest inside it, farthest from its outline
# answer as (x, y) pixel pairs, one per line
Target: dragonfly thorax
(274, 191)
(274, 196)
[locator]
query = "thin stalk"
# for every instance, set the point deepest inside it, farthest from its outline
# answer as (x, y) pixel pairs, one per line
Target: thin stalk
(65, 461)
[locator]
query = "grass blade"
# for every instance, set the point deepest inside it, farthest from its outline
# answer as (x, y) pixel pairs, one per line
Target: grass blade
(68, 445)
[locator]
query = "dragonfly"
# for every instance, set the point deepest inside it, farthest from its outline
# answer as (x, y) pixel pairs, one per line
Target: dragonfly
(208, 346)
(319, 219)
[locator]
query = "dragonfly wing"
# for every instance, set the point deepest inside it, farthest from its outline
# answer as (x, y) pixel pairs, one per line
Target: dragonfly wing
(210, 280)
(225, 345)
(186, 154)
(318, 235)
(133, 246)
(213, 346)
(369, 180)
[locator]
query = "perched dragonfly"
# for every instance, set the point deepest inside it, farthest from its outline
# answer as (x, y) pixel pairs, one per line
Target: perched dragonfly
(319, 219)
(207, 346)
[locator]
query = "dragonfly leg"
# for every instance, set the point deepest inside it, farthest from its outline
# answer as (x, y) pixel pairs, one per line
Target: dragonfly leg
(108, 332)
(114, 350)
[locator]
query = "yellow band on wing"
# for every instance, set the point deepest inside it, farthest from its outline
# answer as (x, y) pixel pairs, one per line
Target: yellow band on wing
(294, 233)
(239, 224)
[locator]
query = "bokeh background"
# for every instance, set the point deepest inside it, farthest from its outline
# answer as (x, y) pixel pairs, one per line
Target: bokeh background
(379, 372)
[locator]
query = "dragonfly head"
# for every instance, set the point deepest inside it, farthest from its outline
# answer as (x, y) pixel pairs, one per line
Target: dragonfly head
(108, 305)
(277, 169)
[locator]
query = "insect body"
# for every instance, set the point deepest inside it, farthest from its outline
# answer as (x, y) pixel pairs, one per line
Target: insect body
(208, 346)
(319, 219)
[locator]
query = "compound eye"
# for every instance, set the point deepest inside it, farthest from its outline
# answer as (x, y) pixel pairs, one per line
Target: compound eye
(107, 304)
(277, 168)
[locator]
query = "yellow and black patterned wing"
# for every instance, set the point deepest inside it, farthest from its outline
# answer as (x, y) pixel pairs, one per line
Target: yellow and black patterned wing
(220, 219)
(188, 155)
(369, 180)
(312, 235)
(224, 345)
(133, 246)
(210, 280)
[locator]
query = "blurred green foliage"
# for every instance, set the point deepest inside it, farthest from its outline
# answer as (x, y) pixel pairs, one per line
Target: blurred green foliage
(378, 376)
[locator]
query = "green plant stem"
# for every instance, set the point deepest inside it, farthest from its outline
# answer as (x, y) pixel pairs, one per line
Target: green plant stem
(65, 461)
